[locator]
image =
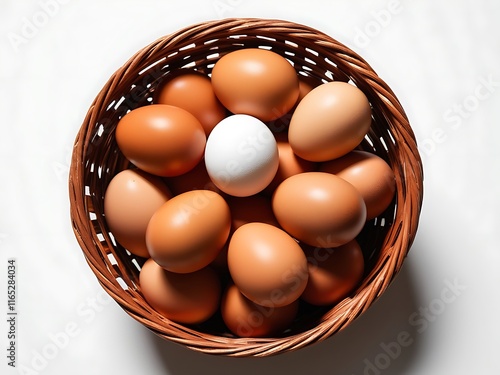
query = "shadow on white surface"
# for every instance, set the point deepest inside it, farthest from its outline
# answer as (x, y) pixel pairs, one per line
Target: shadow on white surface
(359, 349)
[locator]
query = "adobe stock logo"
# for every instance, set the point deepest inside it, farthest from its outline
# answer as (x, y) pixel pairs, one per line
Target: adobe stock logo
(31, 26)
(221, 7)
(380, 20)
(58, 342)
(457, 113)
(421, 320)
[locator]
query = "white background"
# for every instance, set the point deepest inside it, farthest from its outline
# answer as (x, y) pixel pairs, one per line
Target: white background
(442, 58)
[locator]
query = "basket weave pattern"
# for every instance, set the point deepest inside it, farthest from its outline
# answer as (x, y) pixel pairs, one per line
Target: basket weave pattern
(96, 159)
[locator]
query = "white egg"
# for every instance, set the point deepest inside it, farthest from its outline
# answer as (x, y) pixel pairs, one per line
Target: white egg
(241, 155)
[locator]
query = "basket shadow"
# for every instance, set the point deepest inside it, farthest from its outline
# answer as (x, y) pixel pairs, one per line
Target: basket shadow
(380, 341)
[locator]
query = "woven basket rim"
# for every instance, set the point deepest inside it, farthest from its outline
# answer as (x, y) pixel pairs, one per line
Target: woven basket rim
(174, 49)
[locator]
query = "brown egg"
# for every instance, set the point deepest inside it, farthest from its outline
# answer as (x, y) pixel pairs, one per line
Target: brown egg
(131, 199)
(330, 121)
(193, 92)
(255, 208)
(267, 265)
(306, 84)
(195, 179)
(220, 262)
(186, 234)
(333, 273)
(184, 298)
(255, 82)
(161, 139)
(247, 319)
(370, 175)
(319, 209)
(289, 163)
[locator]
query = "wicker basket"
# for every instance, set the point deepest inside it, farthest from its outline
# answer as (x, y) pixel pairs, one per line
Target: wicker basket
(96, 159)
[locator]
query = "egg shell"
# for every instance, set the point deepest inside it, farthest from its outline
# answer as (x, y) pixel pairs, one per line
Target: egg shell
(193, 92)
(220, 262)
(241, 155)
(131, 199)
(247, 319)
(330, 121)
(370, 175)
(289, 163)
(333, 273)
(255, 82)
(186, 234)
(306, 84)
(267, 265)
(195, 179)
(255, 208)
(184, 298)
(319, 209)
(161, 139)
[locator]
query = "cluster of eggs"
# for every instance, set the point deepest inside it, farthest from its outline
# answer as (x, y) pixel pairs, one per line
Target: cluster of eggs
(249, 175)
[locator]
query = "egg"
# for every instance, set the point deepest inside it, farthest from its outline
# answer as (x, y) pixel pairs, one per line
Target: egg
(241, 155)
(184, 298)
(319, 209)
(256, 82)
(255, 208)
(195, 179)
(193, 92)
(306, 84)
(333, 273)
(220, 262)
(161, 139)
(267, 265)
(370, 175)
(289, 163)
(131, 199)
(247, 319)
(187, 232)
(330, 121)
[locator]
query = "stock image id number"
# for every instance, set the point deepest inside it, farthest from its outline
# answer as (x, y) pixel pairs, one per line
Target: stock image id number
(11, 284)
